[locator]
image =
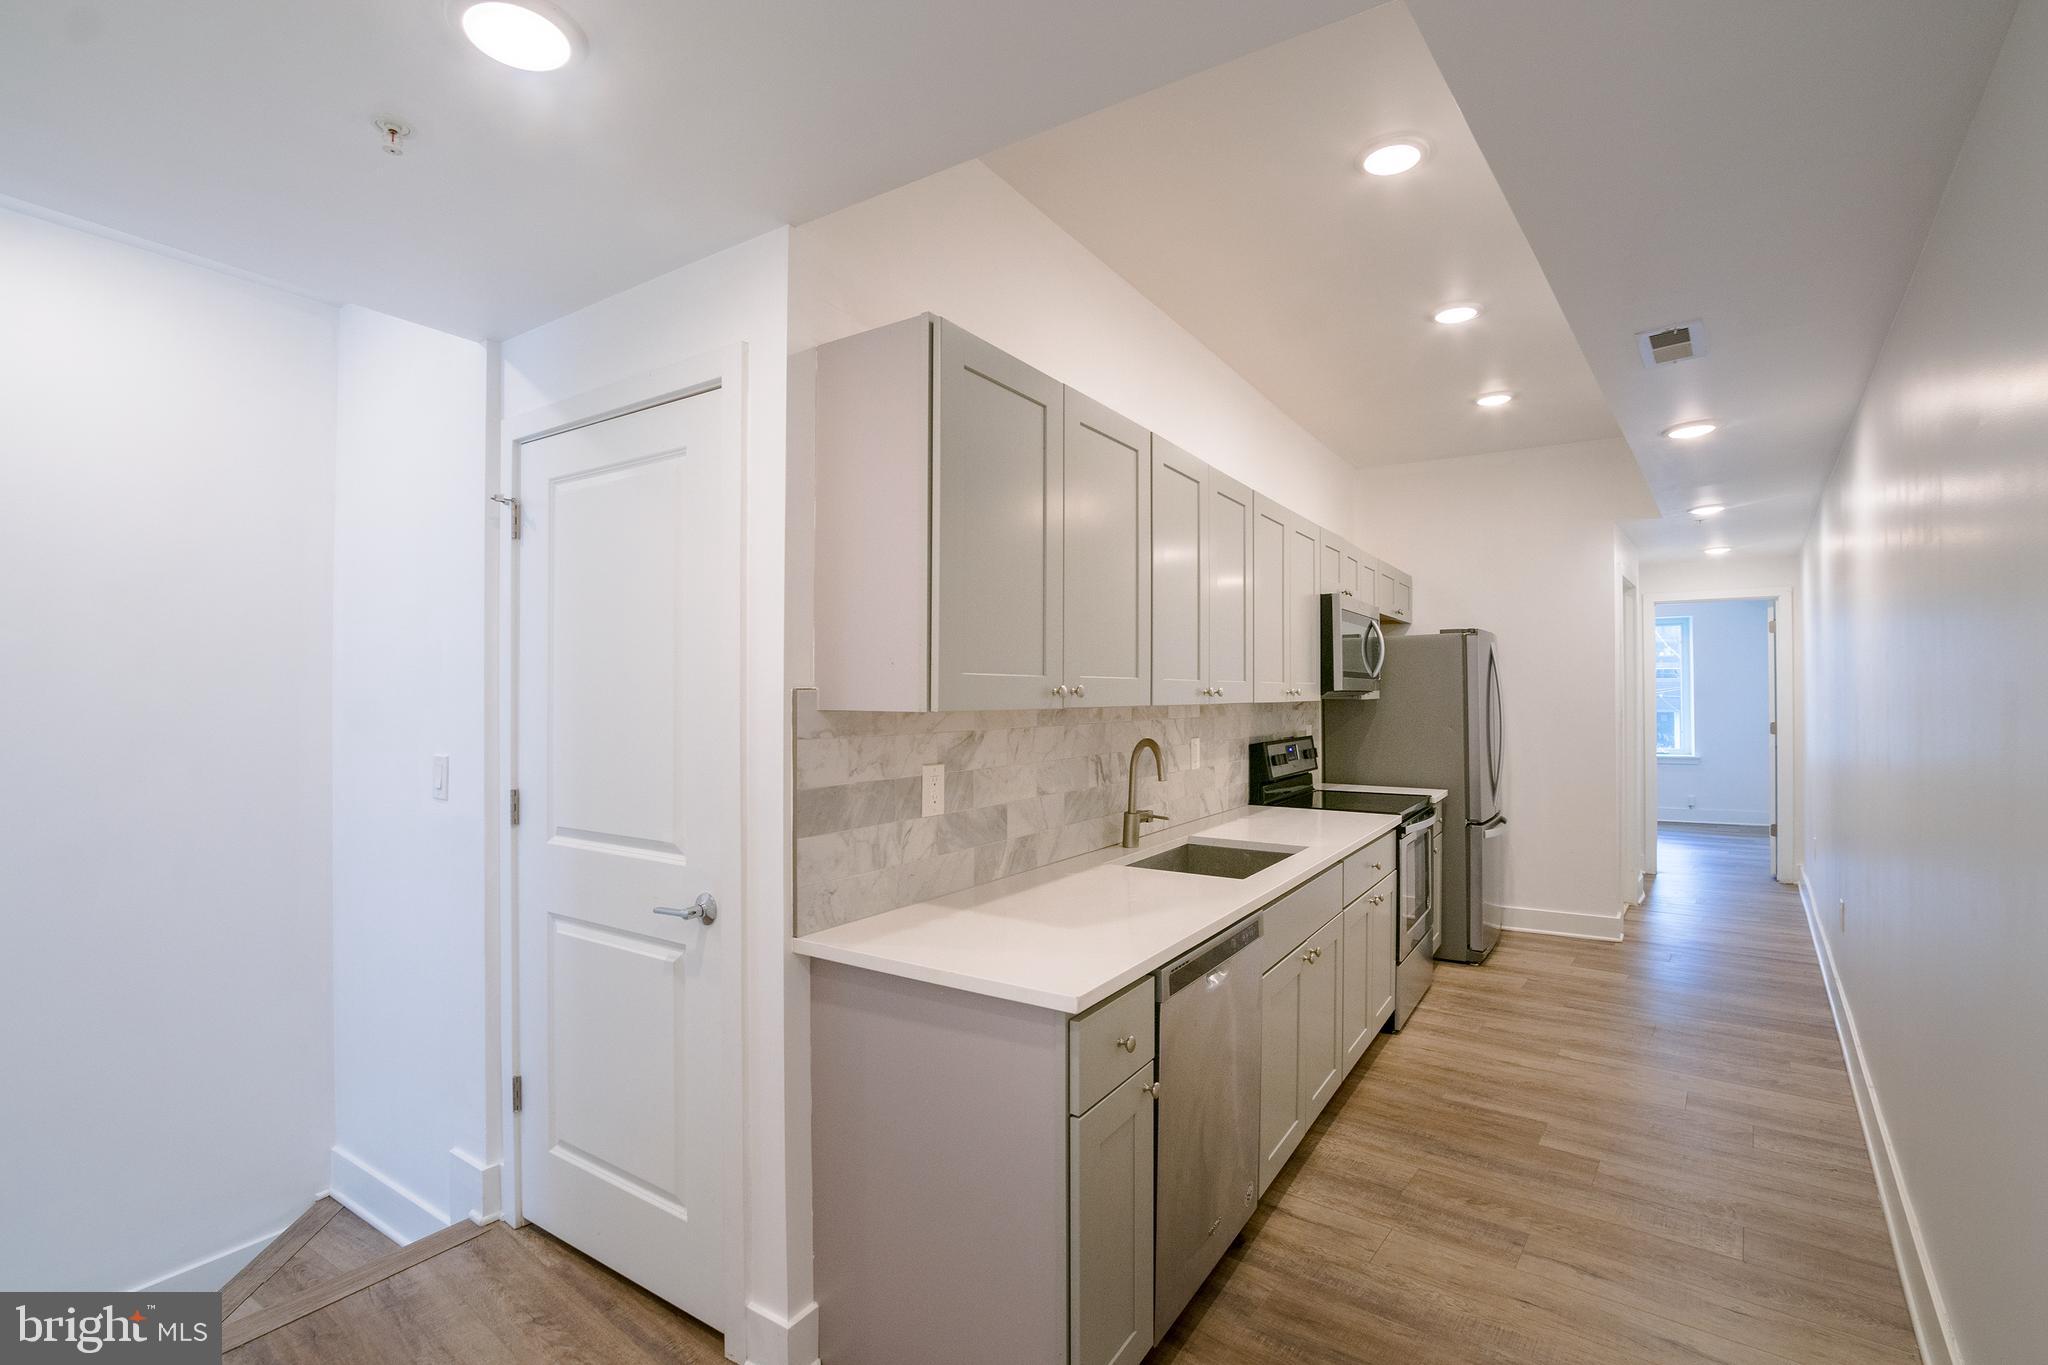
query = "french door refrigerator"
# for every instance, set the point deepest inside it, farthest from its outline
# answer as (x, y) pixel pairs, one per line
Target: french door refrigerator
(1438, 723)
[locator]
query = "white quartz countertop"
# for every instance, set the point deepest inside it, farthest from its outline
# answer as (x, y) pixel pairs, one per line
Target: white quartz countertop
(1071, 934)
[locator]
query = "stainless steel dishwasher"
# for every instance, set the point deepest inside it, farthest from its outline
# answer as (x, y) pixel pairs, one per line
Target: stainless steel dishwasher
(1208, 1107)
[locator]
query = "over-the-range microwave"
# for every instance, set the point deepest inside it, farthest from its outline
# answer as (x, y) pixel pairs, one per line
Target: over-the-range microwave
(1354, 650)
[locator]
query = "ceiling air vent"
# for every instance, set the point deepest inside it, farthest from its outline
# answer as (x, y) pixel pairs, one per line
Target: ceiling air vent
(1672, 344)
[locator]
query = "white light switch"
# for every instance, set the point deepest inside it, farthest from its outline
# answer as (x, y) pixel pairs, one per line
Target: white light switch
(934, 789)
(440, 777)
(1195, 753)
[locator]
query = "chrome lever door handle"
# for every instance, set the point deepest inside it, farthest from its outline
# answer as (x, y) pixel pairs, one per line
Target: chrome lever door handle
(705, 908)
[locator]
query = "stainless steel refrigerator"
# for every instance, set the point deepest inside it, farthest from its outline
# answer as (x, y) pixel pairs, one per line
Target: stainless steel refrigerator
(1438, 723)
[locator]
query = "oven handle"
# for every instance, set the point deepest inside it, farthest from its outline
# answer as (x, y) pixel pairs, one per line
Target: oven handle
(1424, 827)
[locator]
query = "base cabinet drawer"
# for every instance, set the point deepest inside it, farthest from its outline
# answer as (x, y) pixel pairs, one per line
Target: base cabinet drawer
(1364, 868)
(1302, 911)
(1108, 1043)
(1109, 1222)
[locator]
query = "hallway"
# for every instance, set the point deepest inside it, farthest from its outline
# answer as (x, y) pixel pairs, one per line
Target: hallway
(1587, 1152)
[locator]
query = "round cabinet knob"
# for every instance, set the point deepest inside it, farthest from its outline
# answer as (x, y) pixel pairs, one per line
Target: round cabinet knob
(1129, 1042)
(1379, 900)
(1151, 1088)
(1079, 690)
(1060, 691)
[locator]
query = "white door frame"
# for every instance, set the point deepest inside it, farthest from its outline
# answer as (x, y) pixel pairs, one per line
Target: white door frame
(1785, 784)
(721, 370)
(1638, 820)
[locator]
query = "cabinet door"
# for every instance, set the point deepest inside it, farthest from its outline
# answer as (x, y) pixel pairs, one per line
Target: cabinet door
(1386, 591)
(1329, 563)
(1182, 592)
(1280, 1098)
(997, 598)
(1322, 1020)
(1304, 613)
(1379, 976)
(1109, 1227)
(1228, 531)
(1404, 597)
(1366, 594)
(1106, 528)
(1271, 524)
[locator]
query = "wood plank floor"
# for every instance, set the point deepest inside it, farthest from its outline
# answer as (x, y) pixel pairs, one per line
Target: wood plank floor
(341, 1243)
(1578, 1154)
(1586, 1152)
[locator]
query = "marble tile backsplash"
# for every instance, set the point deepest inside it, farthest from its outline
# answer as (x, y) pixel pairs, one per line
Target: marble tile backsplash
(1023, 788)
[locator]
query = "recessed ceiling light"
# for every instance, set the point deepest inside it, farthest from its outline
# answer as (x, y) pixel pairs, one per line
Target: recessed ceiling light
(1709, 509)
(1719, 549)
(530, 37)
(1494, 400)
(1456, 313)
(1393, 157)
(1691, 431)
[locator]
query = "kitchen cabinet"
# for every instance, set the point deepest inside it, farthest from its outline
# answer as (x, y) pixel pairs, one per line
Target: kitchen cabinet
(987, 538)
(1368, 967)
(1109, 1227)
(1301, 1052)
(1202, 538)
(1105, 519)
(1396, 596)
(983, 533)
(1287, 652)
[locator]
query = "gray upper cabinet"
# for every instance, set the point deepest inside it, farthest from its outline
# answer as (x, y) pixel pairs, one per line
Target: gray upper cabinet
(1107, 525)
(998, 624)
(1202, 534)
(988, 539)
(1345, 570)
(1396, 592)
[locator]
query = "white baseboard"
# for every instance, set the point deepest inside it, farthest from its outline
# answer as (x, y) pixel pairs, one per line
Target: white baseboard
(775, 1340)
(1529, 919)
(473, 1187)
(209, 1273)
(1923, 1293)
(1751, 819)
(380, 1201)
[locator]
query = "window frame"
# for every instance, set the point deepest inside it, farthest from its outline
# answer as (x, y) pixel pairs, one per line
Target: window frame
(1685, 734)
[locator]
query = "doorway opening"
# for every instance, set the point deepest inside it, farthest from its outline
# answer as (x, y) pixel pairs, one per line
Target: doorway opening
(1715, 720)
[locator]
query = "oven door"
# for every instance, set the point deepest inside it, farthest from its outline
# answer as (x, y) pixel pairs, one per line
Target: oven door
(1354, 649)
(1417, 927)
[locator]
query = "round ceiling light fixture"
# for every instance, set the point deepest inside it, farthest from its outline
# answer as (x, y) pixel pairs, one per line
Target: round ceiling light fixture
(1719, 549)
(1708, 509)
(1455, 314)
(529, 36)
(1499, 398)
(1395, 155)
(1692, 431)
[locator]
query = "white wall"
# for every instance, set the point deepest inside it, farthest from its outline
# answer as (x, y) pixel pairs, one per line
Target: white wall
(1728, 781)
(411, 525)
(966, 245)
(738, 296)
(1524, 544)
(1927, 771)
(166, 478)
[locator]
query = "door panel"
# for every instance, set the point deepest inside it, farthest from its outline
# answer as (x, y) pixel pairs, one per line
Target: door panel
(1109, 1222)
(1304, 619)
(997, 623)
(1322, 1024)
(627, 569)
(1107, 534)
(1269, 616)
(1228, 527)
(1281, 1098)
(1179, 603)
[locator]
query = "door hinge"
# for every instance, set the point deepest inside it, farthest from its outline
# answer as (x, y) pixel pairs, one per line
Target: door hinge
(1774, 727)
(518, 1093)
(512, 503)
(1771, 626)
(1774, 831)
(515, 805)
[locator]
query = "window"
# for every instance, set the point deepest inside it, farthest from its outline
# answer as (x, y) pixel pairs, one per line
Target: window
(1674, 687)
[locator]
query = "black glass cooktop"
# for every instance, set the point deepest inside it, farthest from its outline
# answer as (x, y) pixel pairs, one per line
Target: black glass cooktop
(1370, 803)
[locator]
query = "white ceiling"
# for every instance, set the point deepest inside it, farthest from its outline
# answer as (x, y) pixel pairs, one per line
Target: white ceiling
(240, 130)
(1768, 167)
(1234, 200)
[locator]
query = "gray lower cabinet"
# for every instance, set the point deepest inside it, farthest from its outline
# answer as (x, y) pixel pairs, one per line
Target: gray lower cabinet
(1109, 1227)
(1301, 1048)
(1368, 967)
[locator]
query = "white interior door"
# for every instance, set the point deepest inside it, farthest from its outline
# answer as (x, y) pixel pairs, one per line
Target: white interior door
(628, 752)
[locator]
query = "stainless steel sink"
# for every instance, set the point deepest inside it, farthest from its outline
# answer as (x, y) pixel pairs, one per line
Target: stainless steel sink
(1199, 859)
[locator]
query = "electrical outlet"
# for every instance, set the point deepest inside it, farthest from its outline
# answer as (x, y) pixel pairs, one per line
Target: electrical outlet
(934, 789)
(1194, 753)
(440, 777)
